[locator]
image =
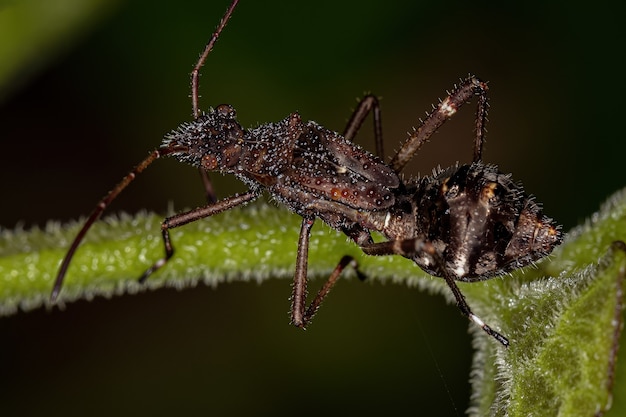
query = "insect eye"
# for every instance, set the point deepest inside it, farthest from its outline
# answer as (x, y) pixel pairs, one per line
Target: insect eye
(226, 111)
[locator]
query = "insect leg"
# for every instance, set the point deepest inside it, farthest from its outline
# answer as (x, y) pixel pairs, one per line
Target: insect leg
(97, 212)
(462, 93)
(367, 104)
(195, 96)
(408, 248)
(345, 261)
(209, 190)
(300, 314)
(181, 219)
(299, 291)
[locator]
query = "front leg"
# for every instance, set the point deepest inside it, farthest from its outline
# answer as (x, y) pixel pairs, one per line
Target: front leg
(181, 219)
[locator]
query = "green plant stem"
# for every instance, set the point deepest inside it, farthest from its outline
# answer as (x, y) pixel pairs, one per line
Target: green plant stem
(254, 243)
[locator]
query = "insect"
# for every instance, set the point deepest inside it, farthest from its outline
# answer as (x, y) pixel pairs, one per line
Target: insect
(465, 223)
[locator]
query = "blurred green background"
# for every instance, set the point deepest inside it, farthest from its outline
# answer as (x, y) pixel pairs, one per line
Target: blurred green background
(78, 116)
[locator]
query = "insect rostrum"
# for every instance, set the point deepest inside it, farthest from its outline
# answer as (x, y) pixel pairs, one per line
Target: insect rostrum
(466, 223)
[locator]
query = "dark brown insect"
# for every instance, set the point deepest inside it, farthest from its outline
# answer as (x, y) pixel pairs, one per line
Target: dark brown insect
(466, 223)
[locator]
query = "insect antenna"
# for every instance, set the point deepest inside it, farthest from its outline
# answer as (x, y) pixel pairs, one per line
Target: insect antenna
(195, 95)
(195, 73)
(102, 205)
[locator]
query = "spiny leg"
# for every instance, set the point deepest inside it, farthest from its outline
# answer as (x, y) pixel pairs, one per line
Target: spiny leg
(482, 108)
(299, 291)
(102, 205)
(300, 314)
(181, 219)
(367, 104)
(408, 248)
(464, 92)
(195, 96)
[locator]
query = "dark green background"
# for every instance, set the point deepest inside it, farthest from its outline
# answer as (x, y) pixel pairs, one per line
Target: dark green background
(556, 78)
